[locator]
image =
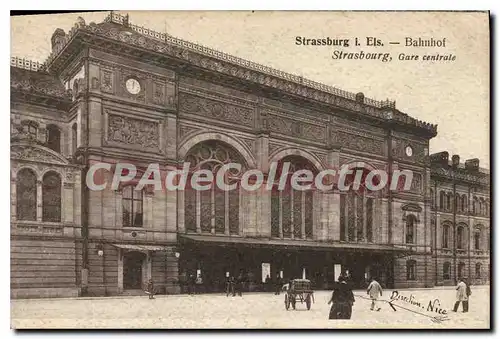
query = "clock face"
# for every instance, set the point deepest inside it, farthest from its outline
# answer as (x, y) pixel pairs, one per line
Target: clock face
(133, 86)
(409, 151)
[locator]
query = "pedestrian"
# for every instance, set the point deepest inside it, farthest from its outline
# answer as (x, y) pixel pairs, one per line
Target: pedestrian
(230, 286)
(342, 300)
(267, 284)
(373, 290)
(239, 284)
(463, 293)
(278, 284)
(199, 284)
(150, 289)
(191, 284)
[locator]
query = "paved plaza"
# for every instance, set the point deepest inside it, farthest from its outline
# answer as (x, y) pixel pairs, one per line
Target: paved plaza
(253, 310)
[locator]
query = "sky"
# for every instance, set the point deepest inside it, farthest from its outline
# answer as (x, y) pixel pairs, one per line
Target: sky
(454, 95)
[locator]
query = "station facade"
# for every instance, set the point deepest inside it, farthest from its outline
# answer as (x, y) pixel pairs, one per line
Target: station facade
(114, 92)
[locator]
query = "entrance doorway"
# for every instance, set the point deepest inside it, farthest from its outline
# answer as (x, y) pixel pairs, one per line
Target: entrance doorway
(132, 270)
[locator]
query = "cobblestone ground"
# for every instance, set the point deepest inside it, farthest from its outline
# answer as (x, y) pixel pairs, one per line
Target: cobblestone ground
(250, 311)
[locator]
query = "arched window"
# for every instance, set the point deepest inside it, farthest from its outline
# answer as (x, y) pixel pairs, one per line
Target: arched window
(458, 206)
(26, 195)
(411, 270)
(482, 207)
(54, 138)
(74, 137)
(446, 236)
(477, 239)
(460, 238)
(213, 210)
(487, 207)
(132, 202)
(411, 222)
(446, 271)
(433, 200)
(293, 207)
(448, 201)
(442, 196)
(461, 270)
(474, 205)
(51, 196)
(478, 271)
(465, 208)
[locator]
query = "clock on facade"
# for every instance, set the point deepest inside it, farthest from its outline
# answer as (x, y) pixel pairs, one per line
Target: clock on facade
(409, 151)
(133, 86)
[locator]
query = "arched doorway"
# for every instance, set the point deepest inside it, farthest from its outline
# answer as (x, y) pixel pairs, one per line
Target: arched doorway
(133, 265)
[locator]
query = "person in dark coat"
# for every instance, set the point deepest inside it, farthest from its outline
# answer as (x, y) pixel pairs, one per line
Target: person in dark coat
(278, 284)
(341, 300)
(191, 284)
(239, 284)
(230, 286)
(150, 289)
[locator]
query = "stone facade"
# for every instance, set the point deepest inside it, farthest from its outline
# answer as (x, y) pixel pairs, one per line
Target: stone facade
(192, 102)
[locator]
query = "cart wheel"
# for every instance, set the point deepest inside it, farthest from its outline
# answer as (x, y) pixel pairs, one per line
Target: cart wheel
(308, 301)
(287, 302)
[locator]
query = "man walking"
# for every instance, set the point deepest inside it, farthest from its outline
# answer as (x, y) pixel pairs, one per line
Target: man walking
(374, 289)
(463, 292)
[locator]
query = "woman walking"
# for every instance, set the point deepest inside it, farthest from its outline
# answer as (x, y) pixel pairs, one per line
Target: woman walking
(342, 300)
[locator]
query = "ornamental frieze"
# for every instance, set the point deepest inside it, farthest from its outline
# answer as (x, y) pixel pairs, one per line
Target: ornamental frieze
(216, 110)
(359, 143)
(183, 81)
(129, 131)
(35, 153)
(295, 128)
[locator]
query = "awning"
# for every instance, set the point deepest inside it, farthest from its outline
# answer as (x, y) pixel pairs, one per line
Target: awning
(288, 243)
(140, 247)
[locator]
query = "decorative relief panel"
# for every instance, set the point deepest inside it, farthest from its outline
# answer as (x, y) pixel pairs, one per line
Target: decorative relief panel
(158, 93)
(295, 128)
(107, 83)
(215, 110)
(273, 147)
(171, 95)
(131, 131)
(360, 143)
(416, 183)
(185, 130)
(35, 153)
(217, 88)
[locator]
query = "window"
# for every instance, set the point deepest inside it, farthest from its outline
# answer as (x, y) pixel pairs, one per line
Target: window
(461, 270)
(457, 203)
(477, 240)
(132, 201)
(441, 200)
(51, 196)
(214, 210)
(448, 202)
(54, 138)
(26, 195)
(433, 200)
(478, 271)
(446, 271)
(74, 137)
(292, 210)
(465, 208)
(460, 238)
(446, 236)
(30, 128)
(411, 268)
(411, 221)
(474, 205)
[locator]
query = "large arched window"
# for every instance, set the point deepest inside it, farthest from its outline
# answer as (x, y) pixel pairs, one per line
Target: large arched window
(51, 196)
(411, 222)
(446, 271)
(54, 138)
(292, 209)
(132, 207)
(213, 210)
(460, 237)
(26, 195)
(446, 236)
(411, 270)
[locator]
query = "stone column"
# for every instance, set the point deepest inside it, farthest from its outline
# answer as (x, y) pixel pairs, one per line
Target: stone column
(120, 270)
(39, 201)
(13, 199)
